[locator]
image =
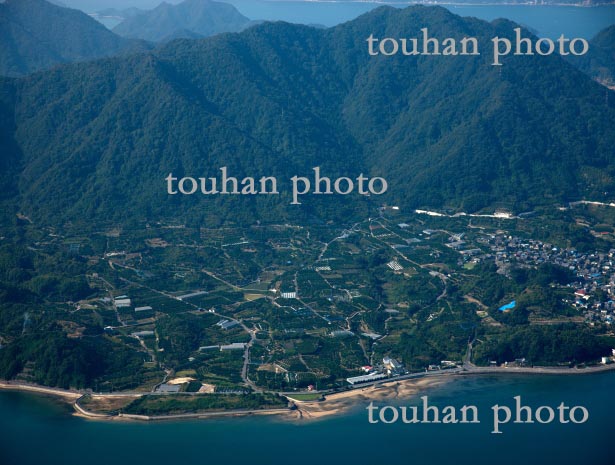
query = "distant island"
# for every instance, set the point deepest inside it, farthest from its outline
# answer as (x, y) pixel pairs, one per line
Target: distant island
(585, 3)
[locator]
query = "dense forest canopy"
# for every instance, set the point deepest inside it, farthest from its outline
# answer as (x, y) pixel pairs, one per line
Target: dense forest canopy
(279, 99)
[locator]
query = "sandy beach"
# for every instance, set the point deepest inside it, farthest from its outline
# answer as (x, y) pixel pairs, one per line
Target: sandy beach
(334, 403)
(341, 402)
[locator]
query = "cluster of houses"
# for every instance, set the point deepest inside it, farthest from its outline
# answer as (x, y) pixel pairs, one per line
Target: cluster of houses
(593, 290)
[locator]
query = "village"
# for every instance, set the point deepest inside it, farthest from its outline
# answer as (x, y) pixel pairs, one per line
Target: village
(310, 308)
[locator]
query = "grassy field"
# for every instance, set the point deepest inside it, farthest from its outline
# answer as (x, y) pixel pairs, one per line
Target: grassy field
(177, 404)
(306, 397)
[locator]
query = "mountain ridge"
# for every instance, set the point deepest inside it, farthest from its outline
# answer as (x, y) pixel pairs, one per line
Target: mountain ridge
(279, 99)
(188, 19)
(600, 61)
(35, 35)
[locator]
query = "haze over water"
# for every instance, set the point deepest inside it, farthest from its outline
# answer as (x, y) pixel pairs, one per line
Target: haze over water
(545, 20)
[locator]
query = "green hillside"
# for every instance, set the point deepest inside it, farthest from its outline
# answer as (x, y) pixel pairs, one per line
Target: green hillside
(95, 141)
(35, 35)
(600, 61)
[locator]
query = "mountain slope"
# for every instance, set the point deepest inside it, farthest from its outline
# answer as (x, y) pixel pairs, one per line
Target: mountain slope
(600, 61)
(466, 134)
(189, 19)
(34, 35)
(279, 99)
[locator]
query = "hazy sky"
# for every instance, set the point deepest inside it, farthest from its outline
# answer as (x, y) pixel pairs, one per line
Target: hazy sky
(548, 21)
(90, 6)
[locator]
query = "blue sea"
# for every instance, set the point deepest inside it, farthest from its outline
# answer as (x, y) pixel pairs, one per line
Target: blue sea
(36, 430)
(545, 20)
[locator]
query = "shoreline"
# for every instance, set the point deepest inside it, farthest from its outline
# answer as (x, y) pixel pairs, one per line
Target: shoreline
(127, 417)
(476, 370)
(335, 402)
(447, 3)
(64, 394)
(340, 402)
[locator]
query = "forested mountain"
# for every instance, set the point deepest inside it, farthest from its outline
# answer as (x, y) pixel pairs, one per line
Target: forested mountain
(189, 19)
(600, 60)
(94, 141)
(35, 34)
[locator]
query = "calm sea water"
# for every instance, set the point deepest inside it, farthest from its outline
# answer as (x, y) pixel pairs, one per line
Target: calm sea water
(547, 21)
(35, 430)
(544, 20)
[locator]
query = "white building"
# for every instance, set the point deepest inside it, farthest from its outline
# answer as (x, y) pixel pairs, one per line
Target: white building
(147, 308)
(122, 303)
(394, 265)
(366, 378)
(234, 346)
